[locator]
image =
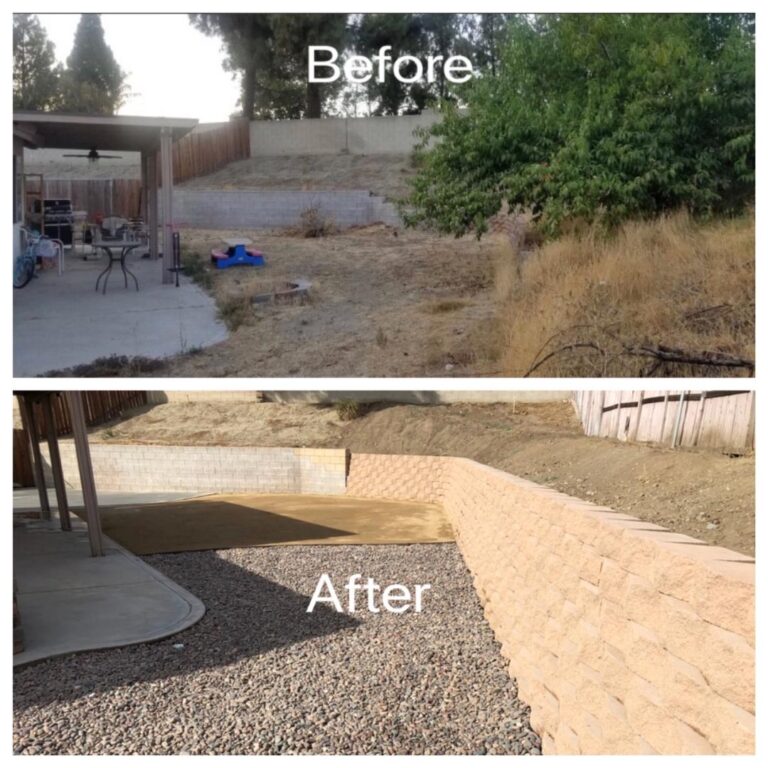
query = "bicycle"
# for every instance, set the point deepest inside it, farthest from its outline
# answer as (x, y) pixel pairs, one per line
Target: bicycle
(34, 246)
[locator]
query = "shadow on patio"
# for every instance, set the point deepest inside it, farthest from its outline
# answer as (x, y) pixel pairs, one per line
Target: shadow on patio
(62, 321)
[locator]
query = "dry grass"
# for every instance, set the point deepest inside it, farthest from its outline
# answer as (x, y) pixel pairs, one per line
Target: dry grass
(445, 305)
(235, 310)
(315, 224)
(576, 305)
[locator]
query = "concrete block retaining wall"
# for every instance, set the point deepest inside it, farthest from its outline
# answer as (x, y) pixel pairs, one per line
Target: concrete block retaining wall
(209, 469)
(266, 208)
(624, 638)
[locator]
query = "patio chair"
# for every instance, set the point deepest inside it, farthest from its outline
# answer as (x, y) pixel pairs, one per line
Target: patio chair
(48, 250)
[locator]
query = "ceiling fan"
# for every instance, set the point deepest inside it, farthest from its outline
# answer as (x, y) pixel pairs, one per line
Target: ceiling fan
(95, 155)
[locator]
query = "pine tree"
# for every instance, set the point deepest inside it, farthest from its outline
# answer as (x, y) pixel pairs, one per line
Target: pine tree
(269, 51)
(35, 73)
(93, 82)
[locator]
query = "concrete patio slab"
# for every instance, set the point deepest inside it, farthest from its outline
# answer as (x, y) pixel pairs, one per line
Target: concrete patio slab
(62, 321)
(70, 601)
(27, 500)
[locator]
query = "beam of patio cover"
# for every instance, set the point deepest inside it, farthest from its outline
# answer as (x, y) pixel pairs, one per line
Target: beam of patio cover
(152, 196)
(56, 470)
(166, 164)
(90, 501)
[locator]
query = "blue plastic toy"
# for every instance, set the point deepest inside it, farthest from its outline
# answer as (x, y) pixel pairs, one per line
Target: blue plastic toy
(237, 252)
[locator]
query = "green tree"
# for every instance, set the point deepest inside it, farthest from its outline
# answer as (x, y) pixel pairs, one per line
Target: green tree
(93, 81)
(488, 34)
(447, 35)
(599, 117)
(294, 33)
(405, 33)
(35, 72)
(248, 44)
(269, 51)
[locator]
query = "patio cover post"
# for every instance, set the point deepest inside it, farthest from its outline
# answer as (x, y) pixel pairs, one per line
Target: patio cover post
(166, 170)
(58, 474)
(28, 422)
(80, 433)
(152, 212)
(143, 207)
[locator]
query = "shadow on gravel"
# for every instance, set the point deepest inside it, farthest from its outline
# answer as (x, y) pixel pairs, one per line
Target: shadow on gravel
(246, 615)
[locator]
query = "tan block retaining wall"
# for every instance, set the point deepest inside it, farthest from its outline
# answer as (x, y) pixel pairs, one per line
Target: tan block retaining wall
(208, 469)
(624, 638)
(406, 478)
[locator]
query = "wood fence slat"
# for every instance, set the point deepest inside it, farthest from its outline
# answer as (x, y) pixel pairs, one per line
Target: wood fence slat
(723, 420)
(23, 474)
(98, 407)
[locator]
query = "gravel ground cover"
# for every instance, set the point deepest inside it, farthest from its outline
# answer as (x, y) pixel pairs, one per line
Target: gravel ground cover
(260, 675)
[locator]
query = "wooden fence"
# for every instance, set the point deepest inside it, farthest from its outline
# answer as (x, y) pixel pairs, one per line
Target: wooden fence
(98, 197)
(724, 420)
(99, 407)
(196, 154)
(23, 474)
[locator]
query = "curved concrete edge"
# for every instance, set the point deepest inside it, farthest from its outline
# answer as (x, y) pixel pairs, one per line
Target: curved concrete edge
(195, 610)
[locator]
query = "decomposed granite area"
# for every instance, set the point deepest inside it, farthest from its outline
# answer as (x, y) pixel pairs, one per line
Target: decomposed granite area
(259, 675)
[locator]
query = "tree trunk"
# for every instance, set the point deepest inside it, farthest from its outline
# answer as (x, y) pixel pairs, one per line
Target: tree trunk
(314, 103)
(249, 87)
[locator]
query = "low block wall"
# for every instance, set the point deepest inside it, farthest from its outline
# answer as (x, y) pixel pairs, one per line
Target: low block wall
(266, 208)
(624, 638)
(209, 469)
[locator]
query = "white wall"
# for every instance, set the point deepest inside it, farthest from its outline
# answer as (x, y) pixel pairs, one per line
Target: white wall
(331, 135)
(207, 469)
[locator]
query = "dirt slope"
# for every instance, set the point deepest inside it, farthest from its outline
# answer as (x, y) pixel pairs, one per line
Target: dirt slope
(704, 494)
(385, 175)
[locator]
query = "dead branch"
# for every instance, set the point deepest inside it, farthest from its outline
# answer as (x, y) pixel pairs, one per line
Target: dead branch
(566, 348)
(672, 355)
(658, 355)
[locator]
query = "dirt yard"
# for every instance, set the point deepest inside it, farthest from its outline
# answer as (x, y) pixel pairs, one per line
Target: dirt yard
(382, 302)
(705, 494)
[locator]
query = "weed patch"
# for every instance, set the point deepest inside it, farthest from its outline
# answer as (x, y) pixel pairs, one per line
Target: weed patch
(666, 297)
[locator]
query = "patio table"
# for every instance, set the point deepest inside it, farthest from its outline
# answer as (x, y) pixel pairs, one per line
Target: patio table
(237, 245)
(125, 246)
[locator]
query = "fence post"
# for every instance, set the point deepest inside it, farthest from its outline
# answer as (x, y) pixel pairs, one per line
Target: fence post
(636, 430)
(699, 419)
(678, 419)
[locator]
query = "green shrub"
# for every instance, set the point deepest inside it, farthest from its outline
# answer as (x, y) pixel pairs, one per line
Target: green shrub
(600, 117)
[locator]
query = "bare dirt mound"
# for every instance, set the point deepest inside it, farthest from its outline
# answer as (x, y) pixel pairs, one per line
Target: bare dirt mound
(704, 494)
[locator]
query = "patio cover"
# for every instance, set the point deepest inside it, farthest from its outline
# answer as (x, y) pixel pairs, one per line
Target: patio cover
(151, 136)
(74, 401)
